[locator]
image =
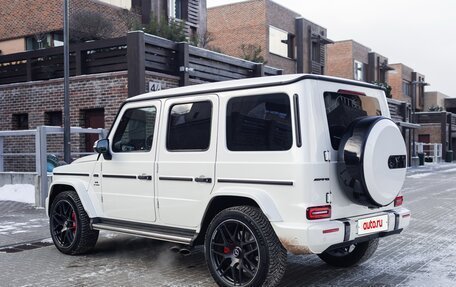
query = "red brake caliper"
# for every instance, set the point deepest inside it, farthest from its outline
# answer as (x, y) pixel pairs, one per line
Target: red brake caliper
(226, 250)
(73, 218)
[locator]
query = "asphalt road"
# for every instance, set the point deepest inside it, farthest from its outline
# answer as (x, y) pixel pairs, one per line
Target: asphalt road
(423, 255)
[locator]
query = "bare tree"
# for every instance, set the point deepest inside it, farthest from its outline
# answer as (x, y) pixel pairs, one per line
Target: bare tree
(89, 25)
(251, 52)
(204, 39)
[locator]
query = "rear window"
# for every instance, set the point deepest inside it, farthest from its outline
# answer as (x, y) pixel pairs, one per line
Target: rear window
(343, 108)
(259, 123)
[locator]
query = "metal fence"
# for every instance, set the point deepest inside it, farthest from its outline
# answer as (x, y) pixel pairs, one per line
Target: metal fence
(432, 151)
(41, 152)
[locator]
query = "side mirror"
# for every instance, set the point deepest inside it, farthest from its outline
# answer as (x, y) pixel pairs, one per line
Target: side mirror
(102, 147)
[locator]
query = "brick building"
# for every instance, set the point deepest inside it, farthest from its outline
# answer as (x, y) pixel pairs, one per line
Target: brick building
(287, 40)
(406, 83)
(192, 12)
(38, 24)
(352, 60)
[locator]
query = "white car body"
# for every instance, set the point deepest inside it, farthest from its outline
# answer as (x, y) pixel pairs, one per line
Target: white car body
(169, 203)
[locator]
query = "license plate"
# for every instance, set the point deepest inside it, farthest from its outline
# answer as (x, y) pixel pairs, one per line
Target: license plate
(373, 224)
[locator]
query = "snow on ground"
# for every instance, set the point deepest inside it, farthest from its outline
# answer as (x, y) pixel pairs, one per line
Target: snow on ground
(11, 228)
(449, 170)
(18, 192)
(420, 175)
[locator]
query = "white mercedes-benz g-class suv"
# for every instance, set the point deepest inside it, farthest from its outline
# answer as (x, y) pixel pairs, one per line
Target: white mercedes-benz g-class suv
(250, 168)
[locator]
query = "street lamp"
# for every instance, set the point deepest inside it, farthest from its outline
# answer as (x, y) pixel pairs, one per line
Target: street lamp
(66, 84)
(413, 119)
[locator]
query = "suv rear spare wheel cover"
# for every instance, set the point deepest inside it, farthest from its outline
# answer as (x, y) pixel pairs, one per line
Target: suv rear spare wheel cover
(372, 161)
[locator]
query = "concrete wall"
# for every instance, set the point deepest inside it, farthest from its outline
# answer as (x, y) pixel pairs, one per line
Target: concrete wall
(17, 178)
(434, 99)
(26, 178)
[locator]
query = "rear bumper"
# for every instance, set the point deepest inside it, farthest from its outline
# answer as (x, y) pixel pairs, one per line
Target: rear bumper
(319, 236)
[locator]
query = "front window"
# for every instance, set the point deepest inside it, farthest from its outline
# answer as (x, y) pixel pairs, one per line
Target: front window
(358, 71)
(342, 108)
(259, 123)
(175, 9)
(406, 88)
(135, 131)
(281, 42)
(43, 41)
(20, 122)
(53, 118)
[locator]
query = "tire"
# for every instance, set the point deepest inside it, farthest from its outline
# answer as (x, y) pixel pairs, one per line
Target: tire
(242, 249)
(352, 255)
(372, 161)
(70, 225)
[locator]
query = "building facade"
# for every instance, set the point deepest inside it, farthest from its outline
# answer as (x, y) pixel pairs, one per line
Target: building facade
(407, 85)
(352, 60)
(38, 24)
(192, 12)
(263, 28)
(434, 101)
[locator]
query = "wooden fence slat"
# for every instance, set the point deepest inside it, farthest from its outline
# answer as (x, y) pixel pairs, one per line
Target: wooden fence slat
(194, 51)
(222, 66)
(208, 77)
(215, 71)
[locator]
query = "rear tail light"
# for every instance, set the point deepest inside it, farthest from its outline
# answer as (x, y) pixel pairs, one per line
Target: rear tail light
(398, 200)
(319, 212)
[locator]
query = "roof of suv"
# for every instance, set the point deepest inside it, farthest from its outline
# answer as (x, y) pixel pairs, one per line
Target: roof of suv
(243, 84)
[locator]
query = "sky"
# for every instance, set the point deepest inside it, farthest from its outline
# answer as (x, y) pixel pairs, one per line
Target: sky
(418, 33)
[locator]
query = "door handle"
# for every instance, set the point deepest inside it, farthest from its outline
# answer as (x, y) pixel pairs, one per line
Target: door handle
(144, 177)
(203, 179)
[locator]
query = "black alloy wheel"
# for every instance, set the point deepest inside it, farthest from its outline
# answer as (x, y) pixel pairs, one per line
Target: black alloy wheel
(234, 252)
(70, 225)
(64, 223)
(242, 249)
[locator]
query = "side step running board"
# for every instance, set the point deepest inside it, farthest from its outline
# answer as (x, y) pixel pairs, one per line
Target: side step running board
(181, 236)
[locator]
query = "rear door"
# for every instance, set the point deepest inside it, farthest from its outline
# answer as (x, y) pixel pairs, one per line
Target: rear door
(342, 104)
(186, 159)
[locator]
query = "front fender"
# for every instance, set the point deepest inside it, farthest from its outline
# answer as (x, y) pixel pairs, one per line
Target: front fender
(81, 188)
(261, 197)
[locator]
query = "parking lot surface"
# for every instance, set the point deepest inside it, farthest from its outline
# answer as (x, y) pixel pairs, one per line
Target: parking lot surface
(423, 255)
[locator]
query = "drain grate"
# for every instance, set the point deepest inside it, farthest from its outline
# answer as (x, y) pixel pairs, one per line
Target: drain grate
(24, 247)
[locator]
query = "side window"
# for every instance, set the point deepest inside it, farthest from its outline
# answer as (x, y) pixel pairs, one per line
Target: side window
(259, 123)
(343, 108)
(135, 131)
(189, 126)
